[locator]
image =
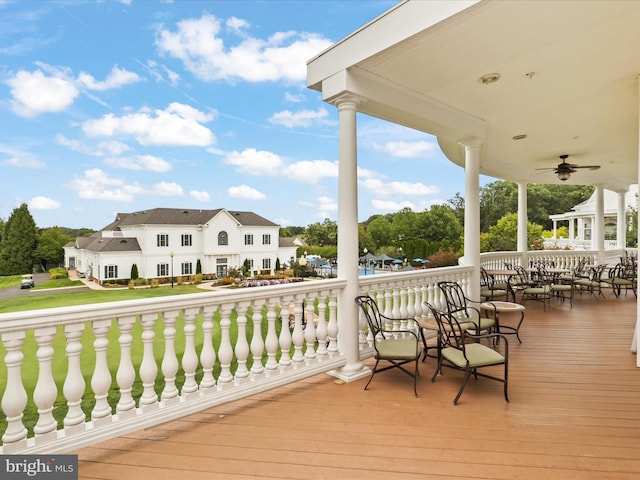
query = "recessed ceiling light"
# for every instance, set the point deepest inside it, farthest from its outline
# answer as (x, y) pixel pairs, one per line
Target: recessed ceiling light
(489, 78)
(520, 137)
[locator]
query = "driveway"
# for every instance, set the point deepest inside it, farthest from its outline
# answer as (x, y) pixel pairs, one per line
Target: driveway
(16, 291)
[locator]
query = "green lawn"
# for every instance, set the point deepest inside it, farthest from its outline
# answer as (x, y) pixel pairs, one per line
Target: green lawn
(65, 298)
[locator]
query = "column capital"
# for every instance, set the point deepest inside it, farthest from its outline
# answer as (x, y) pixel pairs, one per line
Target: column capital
(346, 100)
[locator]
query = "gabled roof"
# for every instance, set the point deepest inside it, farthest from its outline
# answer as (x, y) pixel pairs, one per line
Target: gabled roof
(184, 216)
(98, 243)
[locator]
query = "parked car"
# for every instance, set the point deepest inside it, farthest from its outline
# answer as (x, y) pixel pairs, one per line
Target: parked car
(27, 281)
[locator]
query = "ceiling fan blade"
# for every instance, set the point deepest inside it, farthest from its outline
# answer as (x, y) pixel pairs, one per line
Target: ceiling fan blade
(590, 167)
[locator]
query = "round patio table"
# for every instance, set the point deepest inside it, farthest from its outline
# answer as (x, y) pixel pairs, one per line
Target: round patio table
(505, 307)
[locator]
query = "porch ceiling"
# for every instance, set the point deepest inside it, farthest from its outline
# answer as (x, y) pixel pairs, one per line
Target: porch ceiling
(568, 81)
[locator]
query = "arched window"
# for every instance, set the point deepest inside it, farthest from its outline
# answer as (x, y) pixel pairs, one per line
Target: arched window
(223, 238)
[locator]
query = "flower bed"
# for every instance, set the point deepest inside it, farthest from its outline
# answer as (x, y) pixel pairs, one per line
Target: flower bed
(269, 281)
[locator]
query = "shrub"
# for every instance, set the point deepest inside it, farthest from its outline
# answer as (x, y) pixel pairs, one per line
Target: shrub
(197, 279)
(57, 273)
(443, 258)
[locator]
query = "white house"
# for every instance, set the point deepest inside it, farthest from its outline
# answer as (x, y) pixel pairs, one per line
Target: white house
(581, 220)
(169, 242)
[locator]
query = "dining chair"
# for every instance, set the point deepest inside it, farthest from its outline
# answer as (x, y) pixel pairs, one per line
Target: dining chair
(463, 308)
(398, 347)
(460, 349)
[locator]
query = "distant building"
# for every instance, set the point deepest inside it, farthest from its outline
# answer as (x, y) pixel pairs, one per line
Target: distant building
(581, 219)
(168, 242)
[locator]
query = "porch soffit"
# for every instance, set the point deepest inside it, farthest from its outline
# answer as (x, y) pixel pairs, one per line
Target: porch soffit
(569, 81)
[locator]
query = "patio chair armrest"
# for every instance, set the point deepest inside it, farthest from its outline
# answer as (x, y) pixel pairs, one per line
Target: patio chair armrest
(494, 336)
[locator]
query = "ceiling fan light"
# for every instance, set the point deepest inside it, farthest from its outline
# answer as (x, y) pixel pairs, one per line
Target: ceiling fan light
(564, 175)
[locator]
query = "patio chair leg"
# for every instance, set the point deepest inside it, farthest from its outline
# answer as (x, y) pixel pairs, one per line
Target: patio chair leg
(372, 374)
(464, 383)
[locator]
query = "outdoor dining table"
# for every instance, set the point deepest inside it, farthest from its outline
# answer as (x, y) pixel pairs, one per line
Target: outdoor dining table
(505, 307)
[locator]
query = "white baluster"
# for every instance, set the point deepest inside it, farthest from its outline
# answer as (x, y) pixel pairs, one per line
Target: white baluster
(310, 331)
(148, 366)
(170, 360)
(271, 341)
(190, 357)
(321, 331)
(14, 399)
(298, 333)
(395, 313)
(388, 303)
(242, 345)
(74, 384)
(101, 378)
(46, 392)
(284, 339)
(332, 328)
(208, 354)
(417, 306)
(257, 343)
(225, 353)
(411, 310)
(126, 373)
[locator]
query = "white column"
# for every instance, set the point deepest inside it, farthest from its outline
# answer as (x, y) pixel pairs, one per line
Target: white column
(572, 230)
(348, 240)
(472, 152)
(523, 222)
(634, 342)
(598, 224)
(621, 223)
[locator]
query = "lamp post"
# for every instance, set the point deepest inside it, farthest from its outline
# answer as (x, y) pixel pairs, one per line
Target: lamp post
(171, 254)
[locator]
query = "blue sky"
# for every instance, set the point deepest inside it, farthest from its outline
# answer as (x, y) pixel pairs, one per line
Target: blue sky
(120, 106)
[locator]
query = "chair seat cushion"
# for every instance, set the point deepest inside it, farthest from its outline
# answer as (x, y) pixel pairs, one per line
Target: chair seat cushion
(538, 290)
(490, 293)
(407, 348)
(479, 355)
(561, 288)
(477, 324)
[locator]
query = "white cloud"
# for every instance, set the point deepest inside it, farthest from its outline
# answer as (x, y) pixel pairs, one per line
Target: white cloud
(200, 196)
(177, 125)
(116, 79)
(43, 203)
(303, 118)
(198, 44)
(34, 93)
(246, 192)
(166, 189)
(293, 97)
(398, 188)
(24, 162)
(76, 146)
(256, 162)
(97, 185)
(311, 171)
(114, 147)
(55, 89)
(404, 149)
(139, 162)
(326, 207)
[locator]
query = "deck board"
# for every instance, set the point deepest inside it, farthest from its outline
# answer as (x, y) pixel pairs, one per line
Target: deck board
(574, 414)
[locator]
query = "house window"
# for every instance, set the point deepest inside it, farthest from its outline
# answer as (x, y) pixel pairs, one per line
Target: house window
(266, 239)
(187, 268)
(110, 271)
(186, 240)
(266, 264)
(163, 270)
(248, 239)
(223, 238)
(163, 240)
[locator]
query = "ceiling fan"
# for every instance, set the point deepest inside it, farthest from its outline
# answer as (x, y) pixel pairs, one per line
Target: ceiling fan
(564, 169)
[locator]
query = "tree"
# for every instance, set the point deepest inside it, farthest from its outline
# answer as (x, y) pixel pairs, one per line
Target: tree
(503, 236)
(325, 233)
(379, 231)
(198, 267)
(50, 247)
(134, 272)
(19, 243)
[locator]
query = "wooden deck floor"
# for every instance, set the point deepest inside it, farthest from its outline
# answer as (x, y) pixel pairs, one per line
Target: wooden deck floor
(574, 414)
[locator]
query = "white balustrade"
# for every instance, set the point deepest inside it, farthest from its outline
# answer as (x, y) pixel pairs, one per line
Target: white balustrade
(185, 325)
